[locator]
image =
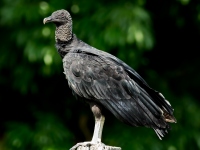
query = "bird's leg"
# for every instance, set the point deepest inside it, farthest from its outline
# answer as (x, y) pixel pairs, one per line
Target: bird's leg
(99, 122)
(98, 128)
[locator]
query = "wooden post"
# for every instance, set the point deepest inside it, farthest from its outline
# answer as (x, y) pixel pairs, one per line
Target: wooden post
(98, 147)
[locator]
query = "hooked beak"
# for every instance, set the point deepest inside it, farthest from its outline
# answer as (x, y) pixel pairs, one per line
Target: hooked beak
(48, 19)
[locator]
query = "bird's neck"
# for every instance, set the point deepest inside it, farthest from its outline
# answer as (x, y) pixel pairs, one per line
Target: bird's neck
(63, 32)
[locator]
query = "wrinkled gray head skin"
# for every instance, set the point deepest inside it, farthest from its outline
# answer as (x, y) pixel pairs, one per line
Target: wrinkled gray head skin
(63, 21)
(59, 17)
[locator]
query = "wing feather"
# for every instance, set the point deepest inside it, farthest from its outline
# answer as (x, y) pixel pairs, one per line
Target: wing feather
(118, 88)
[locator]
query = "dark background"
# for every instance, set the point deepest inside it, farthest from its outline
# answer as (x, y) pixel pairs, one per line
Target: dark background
(159, 39)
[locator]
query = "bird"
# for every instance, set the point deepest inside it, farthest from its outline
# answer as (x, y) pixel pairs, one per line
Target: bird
(107, 83)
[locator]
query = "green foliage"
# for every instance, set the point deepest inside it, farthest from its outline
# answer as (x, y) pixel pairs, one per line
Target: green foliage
(128, 27)
(158, 39)
(48, 133)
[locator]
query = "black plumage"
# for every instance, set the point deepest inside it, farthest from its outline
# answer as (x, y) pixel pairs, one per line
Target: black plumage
(107, 82)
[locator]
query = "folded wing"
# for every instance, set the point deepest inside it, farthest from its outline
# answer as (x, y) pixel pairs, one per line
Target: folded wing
(119, 89)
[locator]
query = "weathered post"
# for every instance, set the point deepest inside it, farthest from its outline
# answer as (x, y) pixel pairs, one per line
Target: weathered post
(98, 147)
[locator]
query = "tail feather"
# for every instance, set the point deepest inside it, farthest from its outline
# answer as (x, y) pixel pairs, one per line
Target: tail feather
(169, 118)
(160, 132)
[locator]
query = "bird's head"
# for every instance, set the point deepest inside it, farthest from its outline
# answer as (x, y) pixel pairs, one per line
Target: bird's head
(59, 17)
(63, 21)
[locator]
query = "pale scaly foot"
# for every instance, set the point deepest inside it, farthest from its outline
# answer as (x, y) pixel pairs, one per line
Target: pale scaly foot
(89, 143)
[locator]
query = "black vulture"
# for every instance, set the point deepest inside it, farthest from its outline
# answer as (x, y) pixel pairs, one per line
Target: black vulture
(106, 82)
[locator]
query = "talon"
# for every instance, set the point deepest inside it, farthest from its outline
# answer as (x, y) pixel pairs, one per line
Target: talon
(82, 144)
(75, 146)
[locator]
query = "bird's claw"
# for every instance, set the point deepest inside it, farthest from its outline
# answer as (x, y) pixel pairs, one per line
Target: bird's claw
(85, 144)
(82, 144)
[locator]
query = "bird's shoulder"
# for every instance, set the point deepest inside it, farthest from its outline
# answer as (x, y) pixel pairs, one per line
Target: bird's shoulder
(82, 60)
(91, 73)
